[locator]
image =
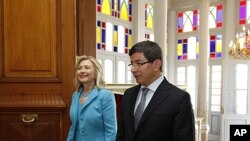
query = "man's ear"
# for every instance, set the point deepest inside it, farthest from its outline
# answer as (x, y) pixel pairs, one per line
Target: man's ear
(157, 64)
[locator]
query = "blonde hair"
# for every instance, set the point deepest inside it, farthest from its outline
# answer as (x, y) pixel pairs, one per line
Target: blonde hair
(99, 82)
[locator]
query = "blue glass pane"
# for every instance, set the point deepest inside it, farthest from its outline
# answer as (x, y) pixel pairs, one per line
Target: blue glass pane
(98, 1)
(179, 57)
(103, 35)
(130, 9)
(126, 40)
(98, 23)
(179, 41)
(218, 55)
(98, 46)
(212, 46)
(219, 15)
(184, 48)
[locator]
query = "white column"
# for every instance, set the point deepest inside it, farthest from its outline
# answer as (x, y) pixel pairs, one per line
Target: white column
(171, 46)
(160, 27)
(203, 69)
(138, 21)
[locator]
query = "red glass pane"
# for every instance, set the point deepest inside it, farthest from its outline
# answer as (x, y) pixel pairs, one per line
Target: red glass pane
(212, 37)
(219, 7)
(212, 55)
(99, 8)
(242, 2)
(103, 24)
(179, 30)
(194, 28)
(180, 14)
(243, 21)
(195, 11)
(219, 24)
(184, 41)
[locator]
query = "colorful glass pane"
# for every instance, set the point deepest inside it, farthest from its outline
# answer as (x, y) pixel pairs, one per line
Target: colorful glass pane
(187, 48)
(215, 46)
(149, 16)
(188, 21)
(215, 16)
(117, 8)
(119, 40)
(243, 11)
(106, 7)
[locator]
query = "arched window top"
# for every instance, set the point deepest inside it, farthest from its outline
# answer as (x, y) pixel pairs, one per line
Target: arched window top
(149, 12)
(215, 16)
(188, 21)
(117, 8)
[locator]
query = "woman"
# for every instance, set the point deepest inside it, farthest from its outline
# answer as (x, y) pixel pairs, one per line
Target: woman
(92, 111)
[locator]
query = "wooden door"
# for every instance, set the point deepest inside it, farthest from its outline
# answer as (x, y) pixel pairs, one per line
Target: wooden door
(37, 56)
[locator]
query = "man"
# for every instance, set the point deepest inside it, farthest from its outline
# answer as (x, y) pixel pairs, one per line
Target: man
(162, 113)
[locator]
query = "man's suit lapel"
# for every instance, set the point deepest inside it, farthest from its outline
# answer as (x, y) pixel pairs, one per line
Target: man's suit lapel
(160, 95)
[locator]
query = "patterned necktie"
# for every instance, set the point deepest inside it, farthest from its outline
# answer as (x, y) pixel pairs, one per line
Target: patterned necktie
(140, 107)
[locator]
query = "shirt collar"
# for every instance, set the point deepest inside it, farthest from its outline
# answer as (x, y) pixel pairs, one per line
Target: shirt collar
(153, 86)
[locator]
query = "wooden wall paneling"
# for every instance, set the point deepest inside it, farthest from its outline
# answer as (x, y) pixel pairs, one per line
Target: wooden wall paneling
(86, 27)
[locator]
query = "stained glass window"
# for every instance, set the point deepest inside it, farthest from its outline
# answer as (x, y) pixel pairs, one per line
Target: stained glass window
(117, 8)
(149, 16)
(114, 38)
(215, 46)
(187, 48)
(188, 21)
(215, 16)
(244, 12)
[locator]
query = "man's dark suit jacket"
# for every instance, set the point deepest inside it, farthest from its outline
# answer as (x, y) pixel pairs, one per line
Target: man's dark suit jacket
(168, 116)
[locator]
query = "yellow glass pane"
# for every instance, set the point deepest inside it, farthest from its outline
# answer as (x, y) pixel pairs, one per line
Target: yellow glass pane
(106, 8)
(129, 41)
(218, 46)
(124, 12)
(179, 49)
(197, 48)
(98, 35)
(115, 39)
(115, 5)
(150, 21)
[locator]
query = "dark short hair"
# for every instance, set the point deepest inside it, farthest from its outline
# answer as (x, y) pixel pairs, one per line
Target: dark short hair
(151, 50)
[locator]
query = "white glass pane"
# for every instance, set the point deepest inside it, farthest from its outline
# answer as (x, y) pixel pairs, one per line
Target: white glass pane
(191, 76)
(121, 39)
(108, 67)
(152, 37)
(215, 100)
(129, 74)
(181, 76)
(216, 85)
(121, 72)
(188, 20)
(215, 108)
(241, 101)
(216, 76)
(192, 48)
(109, 36)
(212, 17)
(216, 68)
(216, 91)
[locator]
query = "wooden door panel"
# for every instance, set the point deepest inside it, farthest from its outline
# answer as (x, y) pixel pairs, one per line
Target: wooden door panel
(45, 128)
(30, 38)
